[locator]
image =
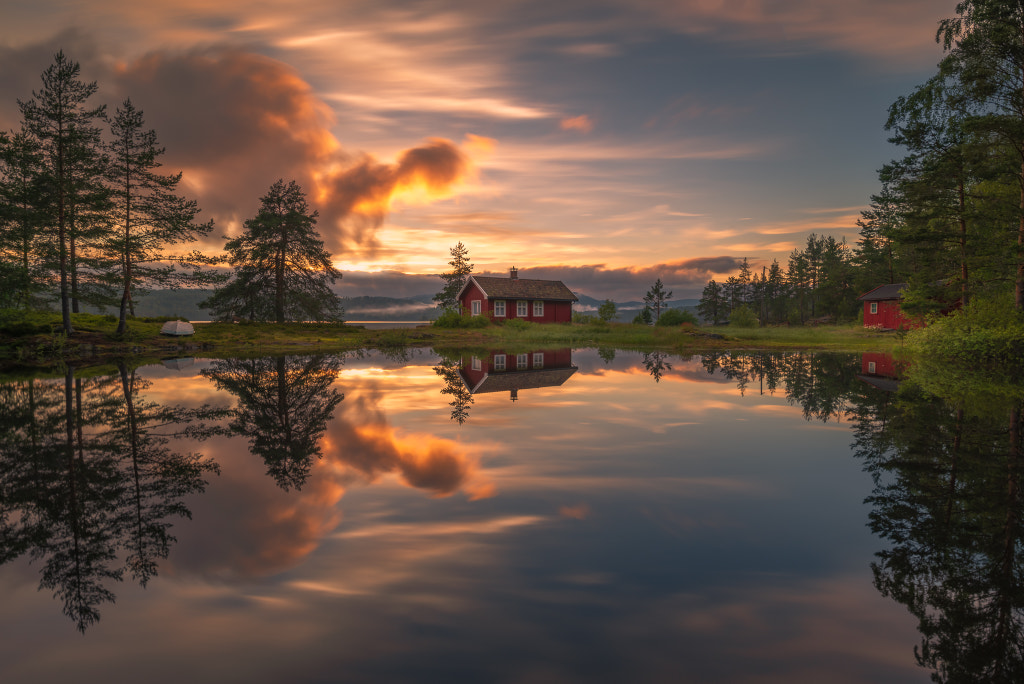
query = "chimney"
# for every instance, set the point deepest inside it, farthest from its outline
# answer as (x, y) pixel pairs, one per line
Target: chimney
(513, 273)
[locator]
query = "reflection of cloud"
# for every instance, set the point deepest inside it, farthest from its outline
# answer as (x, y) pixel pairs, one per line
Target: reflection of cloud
(577, 512)
(361, 440)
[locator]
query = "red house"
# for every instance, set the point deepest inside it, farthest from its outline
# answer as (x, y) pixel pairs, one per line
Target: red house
(882, 308)
(541, 301)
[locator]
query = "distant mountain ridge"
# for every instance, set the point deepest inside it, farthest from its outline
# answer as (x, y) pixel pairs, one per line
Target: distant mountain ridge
(184, 303)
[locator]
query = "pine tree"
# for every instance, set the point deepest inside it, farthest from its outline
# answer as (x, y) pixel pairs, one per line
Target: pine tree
(150, 216)
(59, 120)
(448, 298)
(282, 271)
(656, 297)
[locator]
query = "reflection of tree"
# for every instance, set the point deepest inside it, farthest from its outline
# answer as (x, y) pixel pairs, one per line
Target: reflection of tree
(77, 467)
(947, 496)
(656, 364)
(157, 478)
(448, 369)
(823, 385)
(284, 404)
(607, 354)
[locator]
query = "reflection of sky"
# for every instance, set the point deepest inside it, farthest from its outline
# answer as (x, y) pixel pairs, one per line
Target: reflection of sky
(610, 529)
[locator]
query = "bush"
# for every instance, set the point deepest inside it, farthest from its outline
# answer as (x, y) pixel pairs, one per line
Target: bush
(743, 317)
(453, 319)
(518, 324)
(607, 311)
(582, 318)
(676, 317)
(645, 317)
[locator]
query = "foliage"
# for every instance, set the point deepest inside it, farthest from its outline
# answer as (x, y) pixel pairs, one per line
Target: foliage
(985, 332)
(743, 317)
(607, 311)
(645, 317)
(676, 317)
(448, 298)
(282, 271)
(656, 297)
(579, 318)
(518, 324)
(451, 318)
(149, 214)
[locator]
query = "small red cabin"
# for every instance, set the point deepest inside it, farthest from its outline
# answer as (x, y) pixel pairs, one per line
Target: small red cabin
(540, 301)
(882, 308)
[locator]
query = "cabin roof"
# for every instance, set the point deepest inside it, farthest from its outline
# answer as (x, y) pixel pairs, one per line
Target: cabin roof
(883, 292)
(517, 380)
(521, 288)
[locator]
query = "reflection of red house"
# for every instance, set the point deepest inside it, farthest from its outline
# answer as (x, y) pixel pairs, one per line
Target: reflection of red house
(880, 370)
(541, 301)
(502, 372)
(882, 308)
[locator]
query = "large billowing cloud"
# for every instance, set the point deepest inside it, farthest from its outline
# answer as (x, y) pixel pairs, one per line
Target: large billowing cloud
(236, 121)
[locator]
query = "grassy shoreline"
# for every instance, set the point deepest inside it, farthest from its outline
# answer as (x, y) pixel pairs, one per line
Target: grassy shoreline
(94, 340)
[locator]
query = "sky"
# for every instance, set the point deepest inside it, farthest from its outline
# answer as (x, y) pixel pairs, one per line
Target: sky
(605, 143)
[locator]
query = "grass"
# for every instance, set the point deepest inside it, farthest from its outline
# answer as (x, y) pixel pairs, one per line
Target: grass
(35, 338)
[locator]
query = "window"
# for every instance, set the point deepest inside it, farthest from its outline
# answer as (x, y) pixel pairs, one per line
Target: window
(474, 307)
(499, 308)
(871, 367)
(522, 361)
(538, 308)
(874, 307)
(476, 363)
(499, 362)
(538, 359)
(521, 309)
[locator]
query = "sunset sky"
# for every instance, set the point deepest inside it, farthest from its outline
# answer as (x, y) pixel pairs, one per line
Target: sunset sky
(602, 142)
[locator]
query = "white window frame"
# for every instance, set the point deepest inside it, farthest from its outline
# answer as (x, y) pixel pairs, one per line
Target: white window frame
(521, 308)
(871, 367)
(499, 308)
(499, 362)
(476, 363)
(522, 361)
(538, 309)
(538, 359)
(874, 307)
(474, 307)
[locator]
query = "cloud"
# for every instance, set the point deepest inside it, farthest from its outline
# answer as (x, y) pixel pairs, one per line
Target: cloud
(580, 123)
(685, 278)
(236, 121)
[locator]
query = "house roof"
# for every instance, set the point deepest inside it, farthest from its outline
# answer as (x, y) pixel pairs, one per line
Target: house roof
(890, 291)
(521, 288)
(518, 380)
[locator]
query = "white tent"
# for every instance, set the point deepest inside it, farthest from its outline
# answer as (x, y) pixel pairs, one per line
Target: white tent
(178, 328)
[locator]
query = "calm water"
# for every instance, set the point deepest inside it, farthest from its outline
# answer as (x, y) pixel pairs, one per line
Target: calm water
(558, 516)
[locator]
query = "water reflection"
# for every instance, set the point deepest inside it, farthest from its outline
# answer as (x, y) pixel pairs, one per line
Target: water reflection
(717, 508)
(284, 404)
(947, 497)
(88, 484)
(501, 371)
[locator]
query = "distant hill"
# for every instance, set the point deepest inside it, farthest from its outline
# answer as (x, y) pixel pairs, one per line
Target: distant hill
(185, 304)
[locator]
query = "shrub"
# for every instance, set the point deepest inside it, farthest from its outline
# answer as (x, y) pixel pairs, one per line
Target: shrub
(518, 324)
(607, 311)
(743, 317)
(676, 317)
(453, 319)
(645, 317)
(582, 318)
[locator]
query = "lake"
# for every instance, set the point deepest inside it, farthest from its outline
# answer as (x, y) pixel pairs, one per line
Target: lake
(500, 516)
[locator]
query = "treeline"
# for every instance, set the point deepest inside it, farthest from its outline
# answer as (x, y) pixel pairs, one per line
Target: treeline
(821, 281)
(87, 220)
(949, 218)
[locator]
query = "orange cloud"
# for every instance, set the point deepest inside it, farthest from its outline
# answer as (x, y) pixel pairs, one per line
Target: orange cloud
(235, 122)
(581, 123)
